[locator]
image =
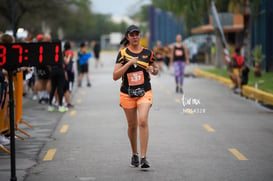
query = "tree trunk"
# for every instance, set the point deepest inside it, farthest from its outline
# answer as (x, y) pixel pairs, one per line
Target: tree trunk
(247, 33)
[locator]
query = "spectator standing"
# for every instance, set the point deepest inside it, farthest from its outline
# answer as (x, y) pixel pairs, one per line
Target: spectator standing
(69, 64)
(42, 84)
(167, 53)
(208, 51)
(159, 54)
(96, 50)
(83, 58)
(4, 38)
(194, 51)
(69, 72)
(237, 64)
(57, 80)
(244, 74)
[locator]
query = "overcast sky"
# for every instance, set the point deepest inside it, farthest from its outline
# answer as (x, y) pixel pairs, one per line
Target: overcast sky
(117, 7)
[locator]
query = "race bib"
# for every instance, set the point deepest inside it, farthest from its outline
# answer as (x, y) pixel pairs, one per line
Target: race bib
(179, 53)
(135, 78)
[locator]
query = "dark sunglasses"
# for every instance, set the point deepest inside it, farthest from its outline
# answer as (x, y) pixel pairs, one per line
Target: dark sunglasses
(134, 33)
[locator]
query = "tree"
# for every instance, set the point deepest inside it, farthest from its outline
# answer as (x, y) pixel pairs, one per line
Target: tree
(142, 16)
(23, 7)
(71, 15)
(74, 17)
(194, 12)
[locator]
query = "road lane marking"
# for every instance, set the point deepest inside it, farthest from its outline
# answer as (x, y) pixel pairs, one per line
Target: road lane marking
(161, 87)
(50, 154)
(208, 128)
(64, 128)
(79, 101)
(237, 154)
(83, 92)
(72, 113)
(178, 101)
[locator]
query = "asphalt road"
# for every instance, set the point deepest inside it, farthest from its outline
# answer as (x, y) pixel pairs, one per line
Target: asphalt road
(210, 134)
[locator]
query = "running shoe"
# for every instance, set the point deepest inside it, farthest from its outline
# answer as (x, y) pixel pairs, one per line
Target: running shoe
(234, 88)
(35, 97)
(144, 163)
(181, 91)
(135, 161)
(237, 91)
(50, 108)
(88, 84)
(43, 100)
(62, 109)
(69, 105)
(4, 140)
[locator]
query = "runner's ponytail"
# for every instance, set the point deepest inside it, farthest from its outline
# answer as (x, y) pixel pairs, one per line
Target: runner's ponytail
(124, 42)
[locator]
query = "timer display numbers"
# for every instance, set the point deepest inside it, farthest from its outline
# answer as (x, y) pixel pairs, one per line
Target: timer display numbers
(30, 54)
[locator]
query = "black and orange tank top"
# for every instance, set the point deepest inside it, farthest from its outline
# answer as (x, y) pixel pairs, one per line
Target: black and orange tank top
(136, 75)
(179, 54)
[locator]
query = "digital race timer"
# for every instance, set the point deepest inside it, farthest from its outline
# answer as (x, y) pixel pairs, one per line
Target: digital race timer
(30, 54)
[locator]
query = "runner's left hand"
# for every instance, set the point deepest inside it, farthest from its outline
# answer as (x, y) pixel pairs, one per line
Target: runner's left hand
(150, 69)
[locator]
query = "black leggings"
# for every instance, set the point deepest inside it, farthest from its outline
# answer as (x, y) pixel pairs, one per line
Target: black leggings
(57, 82)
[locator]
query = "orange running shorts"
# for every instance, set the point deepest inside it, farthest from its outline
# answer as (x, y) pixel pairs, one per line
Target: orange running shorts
(128, 102)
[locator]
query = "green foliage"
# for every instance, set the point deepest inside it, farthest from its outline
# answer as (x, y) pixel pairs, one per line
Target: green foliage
(195, 12)
(257, 53)
(74, 17)
(265, 82)
(142, 15)
(255, 7)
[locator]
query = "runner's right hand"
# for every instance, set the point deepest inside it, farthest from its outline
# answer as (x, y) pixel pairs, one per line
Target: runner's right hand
(133, 60)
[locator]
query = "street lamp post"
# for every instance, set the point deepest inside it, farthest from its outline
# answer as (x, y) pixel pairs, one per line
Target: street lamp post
(11, 108)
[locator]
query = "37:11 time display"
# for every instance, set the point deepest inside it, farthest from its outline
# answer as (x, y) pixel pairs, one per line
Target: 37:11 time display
(30, 54)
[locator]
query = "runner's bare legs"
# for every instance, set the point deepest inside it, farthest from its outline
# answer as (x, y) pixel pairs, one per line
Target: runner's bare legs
(143, 113)
(131, 115)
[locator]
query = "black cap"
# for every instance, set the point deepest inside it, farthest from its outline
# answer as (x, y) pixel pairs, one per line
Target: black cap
(131, 29)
